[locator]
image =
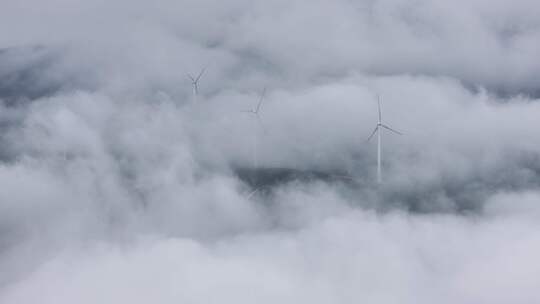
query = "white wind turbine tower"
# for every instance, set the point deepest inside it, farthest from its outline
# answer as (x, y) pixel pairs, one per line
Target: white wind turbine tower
(256, 133)
(378, 131)
(195, 83)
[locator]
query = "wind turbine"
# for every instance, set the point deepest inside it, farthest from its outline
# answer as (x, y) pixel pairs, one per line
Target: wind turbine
(255, 112)
(195, 83)
(378, 131)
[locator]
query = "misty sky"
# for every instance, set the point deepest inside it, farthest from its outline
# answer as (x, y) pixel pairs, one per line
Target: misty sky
(117, 185)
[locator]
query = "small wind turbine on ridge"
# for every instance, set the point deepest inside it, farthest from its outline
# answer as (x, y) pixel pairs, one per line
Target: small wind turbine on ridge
(255, 112)
(378, 131)
(195, 83)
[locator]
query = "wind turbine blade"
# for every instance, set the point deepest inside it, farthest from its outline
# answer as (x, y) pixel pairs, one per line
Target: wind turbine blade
(374, 131)
(387, 127)
(190, 77)
(200, 74)
(252, 193)
(260, 100)
(379, 106)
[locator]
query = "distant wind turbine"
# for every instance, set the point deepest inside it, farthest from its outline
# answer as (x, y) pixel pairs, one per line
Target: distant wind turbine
(378, 131)
(195, 83)
(255, 112)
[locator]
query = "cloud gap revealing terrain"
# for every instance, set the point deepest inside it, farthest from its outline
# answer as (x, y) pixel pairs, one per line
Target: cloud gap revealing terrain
(217, 151)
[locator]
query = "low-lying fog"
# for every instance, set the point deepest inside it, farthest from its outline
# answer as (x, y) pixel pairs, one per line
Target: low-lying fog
(117, 185)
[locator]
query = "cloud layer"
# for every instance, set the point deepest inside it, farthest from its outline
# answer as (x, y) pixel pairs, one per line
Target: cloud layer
(119, 186)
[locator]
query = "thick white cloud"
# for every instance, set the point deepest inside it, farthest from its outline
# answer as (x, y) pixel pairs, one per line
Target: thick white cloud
(492, 43)
(360, 256)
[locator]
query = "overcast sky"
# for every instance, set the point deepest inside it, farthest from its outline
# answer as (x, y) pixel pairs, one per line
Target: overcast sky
(118, 186)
